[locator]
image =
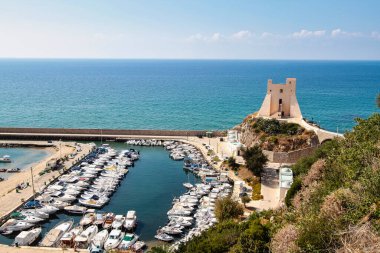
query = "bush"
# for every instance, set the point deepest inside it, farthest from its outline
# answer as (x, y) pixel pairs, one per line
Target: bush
(294, 188)
(227, 208)
(255, 159)
(275, 127)
(233, 164)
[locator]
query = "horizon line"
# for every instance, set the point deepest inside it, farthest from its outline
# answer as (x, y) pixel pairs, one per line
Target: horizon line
(182, 59)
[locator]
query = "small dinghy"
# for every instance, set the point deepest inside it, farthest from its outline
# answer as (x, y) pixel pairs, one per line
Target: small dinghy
(26, 238)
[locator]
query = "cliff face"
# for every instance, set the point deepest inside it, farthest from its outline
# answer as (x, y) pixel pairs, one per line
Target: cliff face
(273, 135)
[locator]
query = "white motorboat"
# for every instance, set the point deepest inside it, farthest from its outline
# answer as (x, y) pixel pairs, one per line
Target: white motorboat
(188, 185)
(48, 209)
(84, 239)
(32, 219)
(93, 203)
(67, 240)
(26, 238)
(99, 239)
(131, 220)
(88, 219)
(164, 237)
(114, 239)
(54, 235)
(128, 240)
(5, 159)
(35, 213)
(75, 209)
(139, 245)
(118, 221)
(13, 225)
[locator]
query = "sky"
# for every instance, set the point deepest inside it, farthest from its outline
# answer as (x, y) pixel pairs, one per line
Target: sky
(191, 29)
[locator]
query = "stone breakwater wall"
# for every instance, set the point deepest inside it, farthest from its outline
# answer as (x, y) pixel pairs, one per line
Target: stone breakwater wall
(288, 157)
(95, 134)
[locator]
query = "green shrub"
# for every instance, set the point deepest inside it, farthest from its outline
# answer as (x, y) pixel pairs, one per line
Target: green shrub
(255, 159)
(294, 188)
(227, 208)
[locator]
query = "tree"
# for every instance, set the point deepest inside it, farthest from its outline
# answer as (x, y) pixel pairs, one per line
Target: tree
(255, 159)
(245, 199)
(233, 164)
(227, 208)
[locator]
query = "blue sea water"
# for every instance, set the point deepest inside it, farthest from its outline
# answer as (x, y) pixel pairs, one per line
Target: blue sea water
(178, 94)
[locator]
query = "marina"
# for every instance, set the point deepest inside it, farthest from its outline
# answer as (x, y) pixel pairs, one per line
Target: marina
(118, 192)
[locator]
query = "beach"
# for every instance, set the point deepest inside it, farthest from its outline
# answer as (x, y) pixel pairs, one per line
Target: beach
(10, 198)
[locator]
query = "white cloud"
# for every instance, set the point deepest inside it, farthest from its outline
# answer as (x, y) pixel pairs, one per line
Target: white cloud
(375, 35)
(205, 38)
(307, 34)
(241, 35)
(340, 33)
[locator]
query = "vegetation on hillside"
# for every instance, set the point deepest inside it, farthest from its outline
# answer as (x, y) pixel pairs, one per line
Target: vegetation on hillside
(255, 160)
(275, 135)
(333, 206)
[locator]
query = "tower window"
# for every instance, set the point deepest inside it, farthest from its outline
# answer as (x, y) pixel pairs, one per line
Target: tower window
(281, 90)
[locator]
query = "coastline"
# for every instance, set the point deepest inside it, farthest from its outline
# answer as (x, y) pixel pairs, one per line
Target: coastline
(11, 199)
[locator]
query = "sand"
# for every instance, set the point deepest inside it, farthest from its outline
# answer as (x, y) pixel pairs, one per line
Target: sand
(10, 199)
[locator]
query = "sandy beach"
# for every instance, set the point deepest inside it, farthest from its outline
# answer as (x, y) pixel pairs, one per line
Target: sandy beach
(11, 199)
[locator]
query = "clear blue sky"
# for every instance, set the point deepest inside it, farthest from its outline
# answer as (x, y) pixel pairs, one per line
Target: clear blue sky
(218, 29)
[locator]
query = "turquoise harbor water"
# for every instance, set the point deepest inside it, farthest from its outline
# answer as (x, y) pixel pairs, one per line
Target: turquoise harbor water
(21, 158)
(177, 94)
(148, 188)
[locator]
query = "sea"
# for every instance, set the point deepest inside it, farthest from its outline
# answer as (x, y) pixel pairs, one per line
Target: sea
(178, 94)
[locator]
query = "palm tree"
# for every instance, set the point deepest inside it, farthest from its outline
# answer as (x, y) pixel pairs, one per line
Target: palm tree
(378, 100)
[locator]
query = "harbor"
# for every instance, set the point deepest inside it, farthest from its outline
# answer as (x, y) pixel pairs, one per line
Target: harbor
(162, 167)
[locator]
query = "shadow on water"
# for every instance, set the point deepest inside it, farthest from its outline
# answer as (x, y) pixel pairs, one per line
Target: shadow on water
(148, 188)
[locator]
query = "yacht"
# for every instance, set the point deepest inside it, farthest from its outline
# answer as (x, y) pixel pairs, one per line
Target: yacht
(164, 237)
(118, 221)
(13, 225)
(5, 159)
(88, 219)
(114, 239)
(108, 220)
(75, 209)
(83, 240)
(67, 240)
(53, 236)
(128, 240)
(99, 239)
(26, 238)
(131, 220)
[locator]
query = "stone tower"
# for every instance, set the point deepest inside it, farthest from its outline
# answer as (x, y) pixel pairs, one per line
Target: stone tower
(281, 101)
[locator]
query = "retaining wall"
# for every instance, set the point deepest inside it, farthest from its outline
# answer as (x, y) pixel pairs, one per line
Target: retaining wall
(288, 157)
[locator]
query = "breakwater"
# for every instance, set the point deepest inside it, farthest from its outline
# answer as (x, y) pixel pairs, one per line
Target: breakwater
(97, 134)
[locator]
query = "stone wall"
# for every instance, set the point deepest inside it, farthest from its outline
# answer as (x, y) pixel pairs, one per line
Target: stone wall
(93, 134)
(288, 157)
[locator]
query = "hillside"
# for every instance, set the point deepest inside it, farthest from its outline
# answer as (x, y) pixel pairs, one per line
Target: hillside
(333, 205)
(274, 135)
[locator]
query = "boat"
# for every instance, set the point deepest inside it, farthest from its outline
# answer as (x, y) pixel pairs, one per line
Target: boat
(5, 159)
(139, 245)
(54, 235)
(13, 225)
(108, 220)
(83, 240)
(48, 209)
(164, 237)
(93, 203)
(88, 219)
(32, 204)
(114, 239)
(3, 170)
(13, 170)
(67, 240)
(99, 239)
(131, 220)
(75, 209)
(128, 240)
(34, 213)
(99, 219)
(118, 221)
(26, 238)
(188, 185)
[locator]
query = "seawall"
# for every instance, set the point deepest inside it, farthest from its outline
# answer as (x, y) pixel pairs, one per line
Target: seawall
(10, 133)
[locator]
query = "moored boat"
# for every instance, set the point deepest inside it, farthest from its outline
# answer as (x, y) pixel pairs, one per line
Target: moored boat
(54, 235)
(114, 239)
(26, 238)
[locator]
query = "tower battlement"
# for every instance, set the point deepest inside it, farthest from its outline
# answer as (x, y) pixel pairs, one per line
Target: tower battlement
(281, 101)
